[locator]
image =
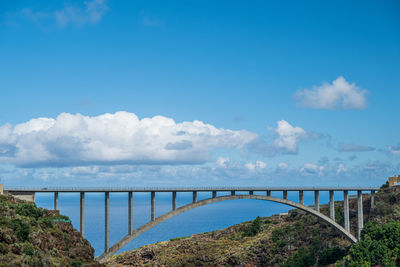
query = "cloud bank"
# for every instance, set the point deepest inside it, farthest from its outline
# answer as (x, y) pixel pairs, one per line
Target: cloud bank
(338, 95)
(111, 139)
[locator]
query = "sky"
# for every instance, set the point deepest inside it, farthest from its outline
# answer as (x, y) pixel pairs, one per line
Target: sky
(195, 93)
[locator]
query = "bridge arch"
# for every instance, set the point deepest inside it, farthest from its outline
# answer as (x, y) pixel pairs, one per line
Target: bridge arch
(140, 230)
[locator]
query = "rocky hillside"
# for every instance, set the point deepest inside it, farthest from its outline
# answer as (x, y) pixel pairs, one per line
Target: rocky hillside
(297, 239)
(31, 236)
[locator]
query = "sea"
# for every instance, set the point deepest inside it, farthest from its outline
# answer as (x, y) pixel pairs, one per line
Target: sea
(202, 219)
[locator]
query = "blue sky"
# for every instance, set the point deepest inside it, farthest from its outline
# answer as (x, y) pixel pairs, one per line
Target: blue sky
(284, 92)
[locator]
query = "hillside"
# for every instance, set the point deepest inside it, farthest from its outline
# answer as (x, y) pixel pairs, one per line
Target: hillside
(31, 236)
(298, 239)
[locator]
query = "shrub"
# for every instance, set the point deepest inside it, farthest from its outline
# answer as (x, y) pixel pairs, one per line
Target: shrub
(330, 255)
(302, 258)
(28, 249)
(29, 210)
(20, 228)
(76, 263)
(254, 228)
(3, 248)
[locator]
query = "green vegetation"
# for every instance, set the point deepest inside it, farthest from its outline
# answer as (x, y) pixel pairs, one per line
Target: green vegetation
(253, 228)
(379, 245)
(31, 236)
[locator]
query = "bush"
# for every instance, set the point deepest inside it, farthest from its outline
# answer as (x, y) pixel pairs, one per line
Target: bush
(330, 255)
(20, 228)
(254, 228)
(76, 263)
(3, 248)
(28, 249)
(29, 210)
(379, 245)
(302, 258)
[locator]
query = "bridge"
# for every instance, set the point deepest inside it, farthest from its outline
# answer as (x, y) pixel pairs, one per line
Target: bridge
(262, 193)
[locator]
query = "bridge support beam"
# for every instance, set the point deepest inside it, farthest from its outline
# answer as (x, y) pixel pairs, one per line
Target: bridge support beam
(301, 197)
(346, 210)
(174, 200)
(360, 213)
(214, 194)
(316, 200)
(130, 213)
(285, 194)
(107, 221)
(153, 205)
(82, 214)
(251, 192)
(194, 196)
(372, 198)
(332, 204)
(55, 200)
(233, 193)
(268, 193)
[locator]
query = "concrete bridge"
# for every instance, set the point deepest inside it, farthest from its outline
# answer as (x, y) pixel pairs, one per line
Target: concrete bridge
(262, 193)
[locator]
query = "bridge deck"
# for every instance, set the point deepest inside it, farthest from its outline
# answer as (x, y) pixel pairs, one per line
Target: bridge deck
(181, 189)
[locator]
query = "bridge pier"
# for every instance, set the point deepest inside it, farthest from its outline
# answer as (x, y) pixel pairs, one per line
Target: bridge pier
(284, 194)
(55, 200)
(107, 221)
(174, 200)
(372, 198)
(233, 193)
(130, 213)
(316, 200)
(332, 204)
(194, 196)
(153, 204)
(251, 192)
(214, 194)
(301, 197)
(82, 214)
(346, 210)
(268, 193)
(360, 213)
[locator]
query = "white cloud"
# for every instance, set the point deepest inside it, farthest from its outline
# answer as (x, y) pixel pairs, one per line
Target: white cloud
(394, 150)
(312, 169)
(341, 168)
(120, 138)
(257, 166)
(91, 12)
(283, 165)
(288, 136)
(222, 162)
(338, 95)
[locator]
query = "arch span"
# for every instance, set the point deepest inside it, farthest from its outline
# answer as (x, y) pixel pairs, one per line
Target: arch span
(140, 230)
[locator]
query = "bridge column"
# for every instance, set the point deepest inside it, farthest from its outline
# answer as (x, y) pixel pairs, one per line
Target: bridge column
(316, 200)
(251, 192)
(214, 194)
(332, 204)
(107, 220)
(153, 202)
(360, 213)
(194, 196)
(301, 197)
(82, 214)
(130, 213)
(55, 200)
(346, 210)
(268, 193)
(372, 198)
(284, 194)
(174, 200)
(233, 193)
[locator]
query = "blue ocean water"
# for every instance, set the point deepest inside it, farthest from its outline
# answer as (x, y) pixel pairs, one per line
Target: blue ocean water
(203, 219)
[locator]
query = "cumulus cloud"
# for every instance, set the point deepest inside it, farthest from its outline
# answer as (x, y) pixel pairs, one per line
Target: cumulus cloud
(286, 140)
(119, 138)
(312, 169)
(338, 95)
(257, 166)
(354, 148)
(91, 12)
